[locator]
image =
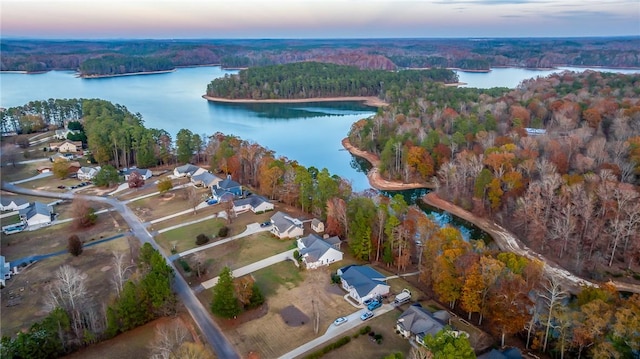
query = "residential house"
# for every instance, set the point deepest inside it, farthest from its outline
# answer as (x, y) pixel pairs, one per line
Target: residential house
(145, 173)
(317, 225)
(63, 133)
(285, 226)
(66, 146)
(186, 170)
(11, 203)
(87, 173)
(44, 168)
(416, 322)
(205, 179)
(36, 214)
(317, 252)
(74, 167)
(5, 271)
(363, 282)
(59, 157)
(226, 189)
(253, 203)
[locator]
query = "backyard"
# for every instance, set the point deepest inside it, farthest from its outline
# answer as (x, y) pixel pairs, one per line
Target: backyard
(24, 298)
(54, 238)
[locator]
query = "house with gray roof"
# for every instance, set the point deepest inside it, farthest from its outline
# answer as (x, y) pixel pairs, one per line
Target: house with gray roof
(363, 282)
(87, 173)
(12, 203)
(508, 353)
(416, 322)
(186, 170)
(317, 252)
(231, 186)
(253, 203)
(36, 214)
(285, 226)
(205, 179)
(145, 173)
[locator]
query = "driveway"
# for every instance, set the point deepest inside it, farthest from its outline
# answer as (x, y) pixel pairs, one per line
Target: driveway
(333, 331)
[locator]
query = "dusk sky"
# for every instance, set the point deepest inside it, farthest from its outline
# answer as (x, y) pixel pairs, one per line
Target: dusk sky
(84, 19)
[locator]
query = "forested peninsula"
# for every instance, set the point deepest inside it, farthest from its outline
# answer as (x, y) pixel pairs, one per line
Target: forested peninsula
(117, 57)
(309, 80)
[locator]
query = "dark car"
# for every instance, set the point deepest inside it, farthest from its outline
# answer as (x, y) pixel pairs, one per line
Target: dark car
(62, 187)
(265, 224)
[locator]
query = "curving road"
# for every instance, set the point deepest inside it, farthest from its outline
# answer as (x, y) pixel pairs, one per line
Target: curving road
(198, 312)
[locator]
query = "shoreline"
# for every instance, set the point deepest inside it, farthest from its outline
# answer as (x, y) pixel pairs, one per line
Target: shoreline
(373, 175)
(509, 242)
(78, 75)
(368, 100)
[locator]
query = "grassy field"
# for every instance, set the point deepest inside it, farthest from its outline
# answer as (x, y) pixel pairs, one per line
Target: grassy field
(239, 253)
(184, 238)
(155, 207)
(26, 292)
(54, 238)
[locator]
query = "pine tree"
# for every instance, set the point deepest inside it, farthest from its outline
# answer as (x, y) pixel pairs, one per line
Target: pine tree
(225, 304)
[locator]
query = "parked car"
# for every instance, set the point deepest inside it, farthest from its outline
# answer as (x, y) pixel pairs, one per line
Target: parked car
(374, 305)
(265, 224)
(368, 301)
(212, 201)
(340, 321)
(366, 315)
(62, 187)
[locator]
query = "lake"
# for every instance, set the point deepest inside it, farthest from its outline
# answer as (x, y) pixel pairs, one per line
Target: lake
(309, 133)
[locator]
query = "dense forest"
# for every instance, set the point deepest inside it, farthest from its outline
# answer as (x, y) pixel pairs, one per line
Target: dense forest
(568, 191)
(130, 56)
(314, 79)
(509, 295)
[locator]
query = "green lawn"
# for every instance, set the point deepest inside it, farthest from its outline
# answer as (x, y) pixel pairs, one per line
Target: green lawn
(184, 238)
(271, 278)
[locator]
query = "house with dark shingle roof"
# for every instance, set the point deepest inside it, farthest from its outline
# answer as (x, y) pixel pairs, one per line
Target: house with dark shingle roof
(317, 252)
(416, 322)
(317, 225)
(36, 214)
(285, 226)
(363, 282)
(253, 203)
(226, 187)
(145, 173)
(509, 353)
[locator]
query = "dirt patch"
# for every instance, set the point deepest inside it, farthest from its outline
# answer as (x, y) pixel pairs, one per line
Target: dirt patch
(105, 268)
(293, 317)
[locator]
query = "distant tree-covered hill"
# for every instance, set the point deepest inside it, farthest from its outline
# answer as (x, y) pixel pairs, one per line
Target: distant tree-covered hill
(383, 54)
(314, 79)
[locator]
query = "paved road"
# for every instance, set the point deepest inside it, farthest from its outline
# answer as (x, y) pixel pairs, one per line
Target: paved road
(38, 176)
(252, 267)
(333, 331)
(198, 312)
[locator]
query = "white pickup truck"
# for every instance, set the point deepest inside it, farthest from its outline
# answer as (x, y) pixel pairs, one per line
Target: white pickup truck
(403, 296)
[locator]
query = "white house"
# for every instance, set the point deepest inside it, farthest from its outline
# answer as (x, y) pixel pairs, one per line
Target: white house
(145, 173)
(416, 322)
(317, 225)
(36, 214)
(5, 271)
(62, 134)
(187, 170)
(11, 203)
(317, 252)
(87, 173)
(253, 203)
(363, 282)
(285, 226)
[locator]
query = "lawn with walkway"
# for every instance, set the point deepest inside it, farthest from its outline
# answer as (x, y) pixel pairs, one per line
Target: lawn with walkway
(184, 238)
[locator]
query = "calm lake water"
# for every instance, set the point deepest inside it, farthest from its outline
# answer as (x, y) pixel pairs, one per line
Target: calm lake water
(309, 133)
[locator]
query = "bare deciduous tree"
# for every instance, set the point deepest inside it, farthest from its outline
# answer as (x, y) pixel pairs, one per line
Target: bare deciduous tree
(193, 198)
(69, 289)
(120, 270)
(168, 340)
(553, 295)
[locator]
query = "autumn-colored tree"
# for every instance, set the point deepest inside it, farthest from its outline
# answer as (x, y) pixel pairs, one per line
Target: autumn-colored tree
(74, 245)
(83, 214)
(60, 169)
(495, 193)
(509, 307)
(520, 116)
(135, 180)
(164, 185)
(420, 162)
(479, 282)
